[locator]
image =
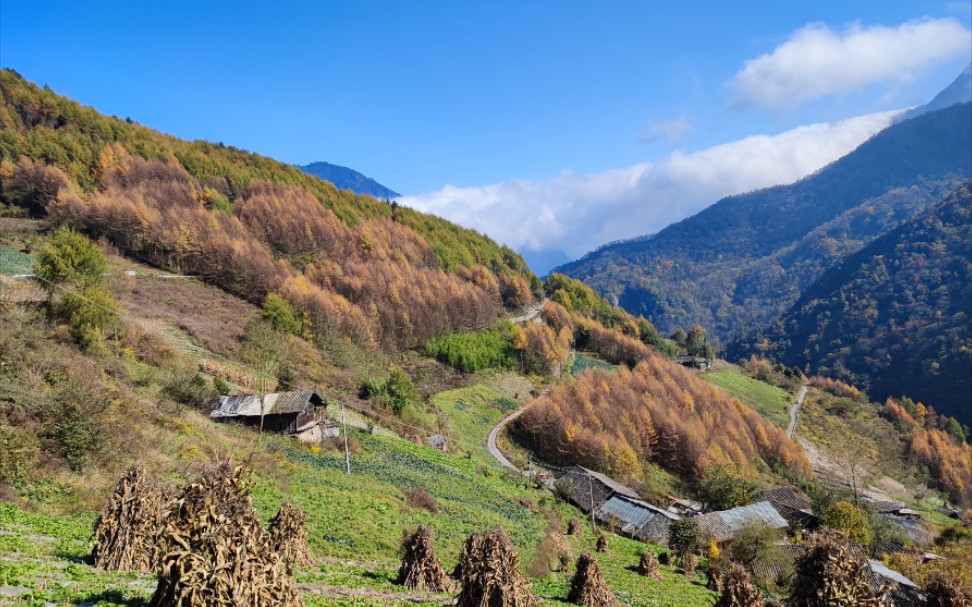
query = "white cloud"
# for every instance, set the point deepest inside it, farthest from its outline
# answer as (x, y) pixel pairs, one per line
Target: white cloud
(668, 130)
(576, 213)
(817, 61)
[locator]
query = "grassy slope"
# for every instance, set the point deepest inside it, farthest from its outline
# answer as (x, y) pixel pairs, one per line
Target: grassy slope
(354, 522)
(769, 401)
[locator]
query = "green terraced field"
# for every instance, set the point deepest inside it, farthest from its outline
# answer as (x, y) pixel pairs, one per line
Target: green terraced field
(769, 401)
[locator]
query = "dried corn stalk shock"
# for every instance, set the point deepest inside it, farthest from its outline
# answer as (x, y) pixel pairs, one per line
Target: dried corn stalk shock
(289, 537)
(946, 591)
(489, 573)
(574, 527)
(830, 574)
(588, 587)
(126, 534)
(420, 568)
(648, 566)
(602, 543)
(738, 589)
(215, 551)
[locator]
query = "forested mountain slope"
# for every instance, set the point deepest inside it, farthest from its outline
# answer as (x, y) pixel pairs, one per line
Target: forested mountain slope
(893, 317)
(741, 262)
(352, 267)
(348, 179)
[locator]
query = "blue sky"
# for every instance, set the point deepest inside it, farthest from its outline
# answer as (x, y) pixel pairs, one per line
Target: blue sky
(425, 95)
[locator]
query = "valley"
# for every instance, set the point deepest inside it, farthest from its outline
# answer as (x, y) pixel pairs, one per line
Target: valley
(411, 372)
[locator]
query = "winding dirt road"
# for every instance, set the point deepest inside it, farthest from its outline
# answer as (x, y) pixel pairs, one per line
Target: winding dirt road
(491, 441)
(793, 412)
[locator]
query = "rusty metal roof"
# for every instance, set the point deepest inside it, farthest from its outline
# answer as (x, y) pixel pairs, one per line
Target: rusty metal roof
(274, 403)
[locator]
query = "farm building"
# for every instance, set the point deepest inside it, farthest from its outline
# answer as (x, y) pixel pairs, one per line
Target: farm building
(694, 362)
(587, 489)
(284, 412)
(636, 519)
(722, 526)
(794, 506)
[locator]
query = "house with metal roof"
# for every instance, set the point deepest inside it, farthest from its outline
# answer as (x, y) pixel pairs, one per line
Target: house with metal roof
(283, 412)
(587, 489)
(794, 506)
(636, 519)
(722, 526)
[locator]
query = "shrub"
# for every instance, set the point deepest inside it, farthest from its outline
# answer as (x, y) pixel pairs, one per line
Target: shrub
(722, 489)
(683, 537)
(853, 520)
(419, 497)
(189, 390)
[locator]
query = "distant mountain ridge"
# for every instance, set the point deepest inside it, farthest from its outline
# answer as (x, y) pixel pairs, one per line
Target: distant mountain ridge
(893, 317)
(349, 179)
(959, 91)
(740, 263)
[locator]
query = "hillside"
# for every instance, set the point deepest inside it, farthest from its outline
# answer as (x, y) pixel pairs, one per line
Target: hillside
(894, 317)
(348, 179)
(353, 268)
(741, 262)
(72, 421)
(141, 276)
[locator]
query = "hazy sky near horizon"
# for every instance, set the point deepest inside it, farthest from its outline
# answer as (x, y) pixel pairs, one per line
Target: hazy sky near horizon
(545, 124)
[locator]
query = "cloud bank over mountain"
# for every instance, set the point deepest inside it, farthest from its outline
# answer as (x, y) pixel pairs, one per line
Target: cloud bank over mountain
(576, 213)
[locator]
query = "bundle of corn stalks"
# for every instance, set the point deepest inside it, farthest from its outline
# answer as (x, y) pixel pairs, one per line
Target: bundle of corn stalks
(649, 567)
(127, 532)
(738, 589)
(945, 591)
(289, 537)
(553, 553)
(490, 575)
(588, 587)
(713, 577)
(831, 574)
(602, 543)
(574, 527)
(690, 563)
(420, 568)
(215, 552)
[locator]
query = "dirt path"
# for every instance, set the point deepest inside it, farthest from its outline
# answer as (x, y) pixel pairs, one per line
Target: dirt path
(533, 313)
(491, 441)
(794, 410)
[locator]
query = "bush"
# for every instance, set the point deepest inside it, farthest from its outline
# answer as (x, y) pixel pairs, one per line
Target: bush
(420, 497)
(189, 390)
(722, 489)
(850, 519)
(278, 312)
(684, 536)
(396, 392)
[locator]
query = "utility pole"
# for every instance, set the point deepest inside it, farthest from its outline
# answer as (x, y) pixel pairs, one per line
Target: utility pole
(347, 454)
(590, 491)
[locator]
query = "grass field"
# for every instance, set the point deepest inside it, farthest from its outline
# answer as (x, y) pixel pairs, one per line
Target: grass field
(15, 262)
(769, 401)
(584, 362)
(355, 523)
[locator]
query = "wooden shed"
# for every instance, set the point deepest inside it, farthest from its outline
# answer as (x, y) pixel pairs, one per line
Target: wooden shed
(284, 412)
